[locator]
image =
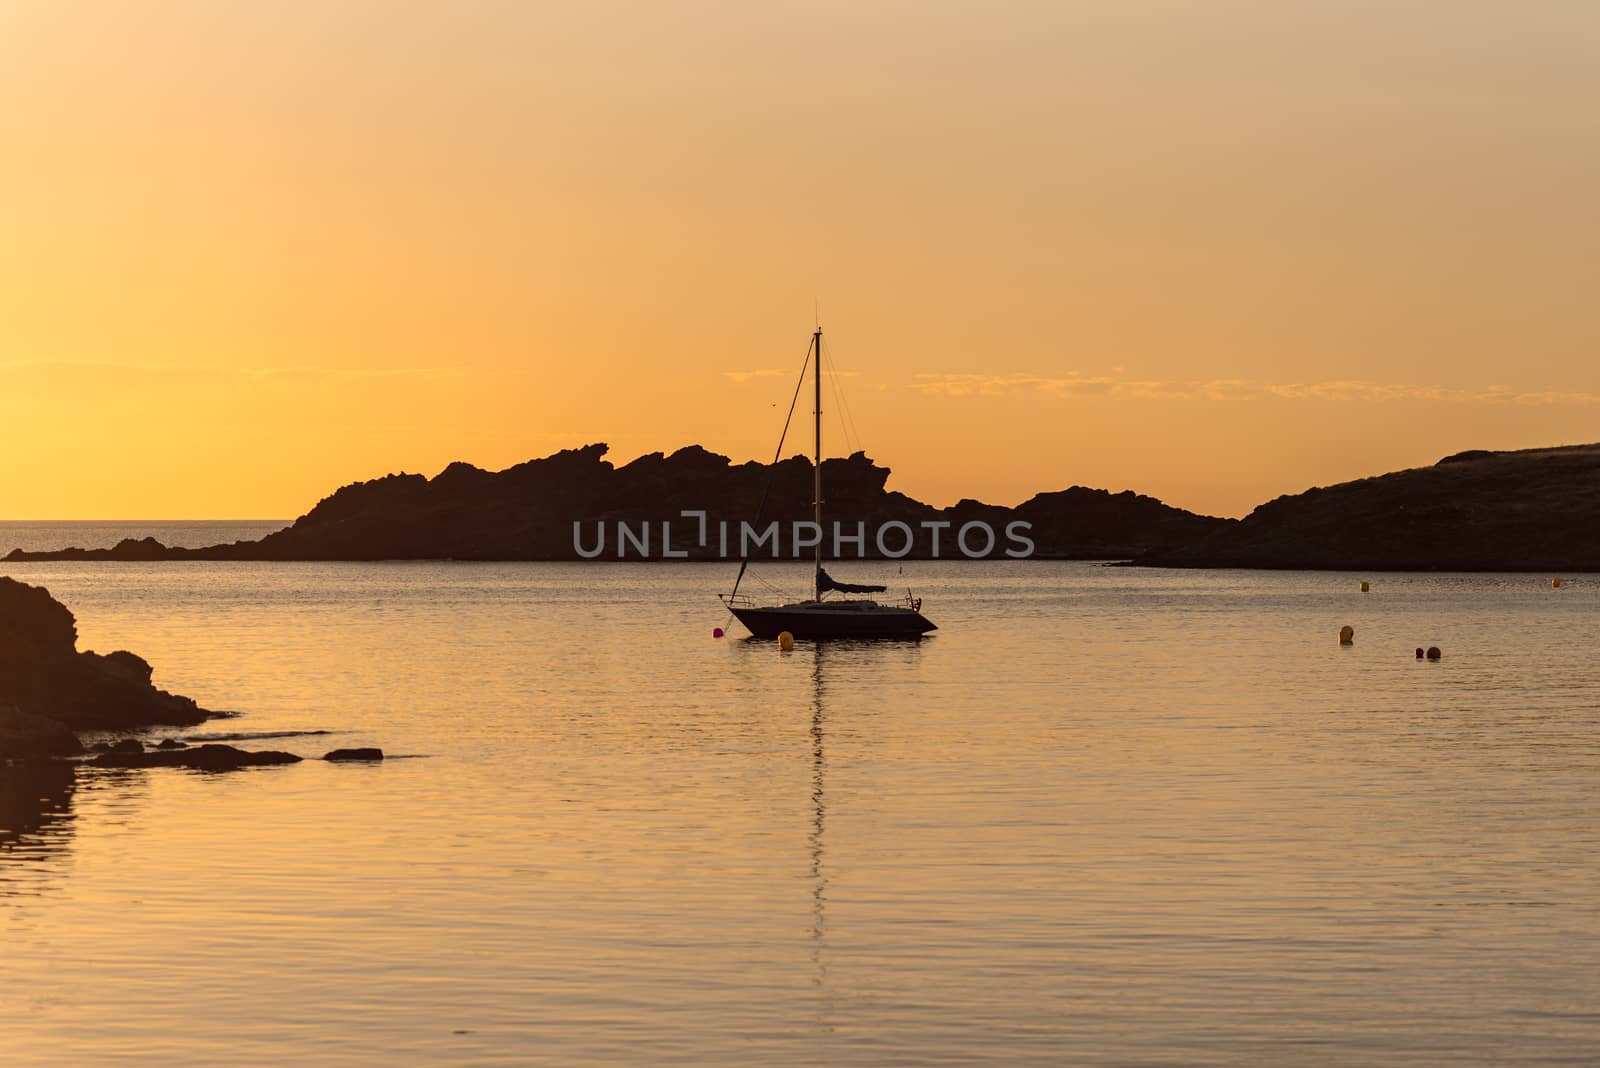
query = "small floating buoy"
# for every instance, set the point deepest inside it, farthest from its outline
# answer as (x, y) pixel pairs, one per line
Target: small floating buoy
(1419, 652)
(785, 641)
(1347, 634)
(716, 632)
(1434, 653)
(1365, 587)
(1555, 584)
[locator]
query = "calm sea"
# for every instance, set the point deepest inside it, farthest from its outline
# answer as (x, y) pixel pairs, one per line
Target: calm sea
(1102, 817)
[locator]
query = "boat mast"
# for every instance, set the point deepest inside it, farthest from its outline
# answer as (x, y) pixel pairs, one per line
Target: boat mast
(816, 505)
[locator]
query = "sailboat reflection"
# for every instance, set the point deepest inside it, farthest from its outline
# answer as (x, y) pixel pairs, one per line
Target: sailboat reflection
(844, 677)
(819, 820)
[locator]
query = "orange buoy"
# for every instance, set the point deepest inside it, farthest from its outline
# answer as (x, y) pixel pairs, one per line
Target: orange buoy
(1347, 634)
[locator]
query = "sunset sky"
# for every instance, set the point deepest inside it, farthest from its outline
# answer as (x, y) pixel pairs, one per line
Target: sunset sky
(1213, 252)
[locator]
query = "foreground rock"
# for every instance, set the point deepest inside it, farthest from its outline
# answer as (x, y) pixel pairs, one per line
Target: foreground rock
(527, 512)
(340, 755)
(49, 690)
(201, 757)
(25, 736)
(1532, 510)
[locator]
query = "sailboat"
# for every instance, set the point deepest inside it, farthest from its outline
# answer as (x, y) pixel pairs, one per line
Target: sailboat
(822, 616)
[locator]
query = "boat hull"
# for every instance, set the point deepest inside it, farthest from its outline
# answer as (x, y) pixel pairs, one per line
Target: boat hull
(833, 620)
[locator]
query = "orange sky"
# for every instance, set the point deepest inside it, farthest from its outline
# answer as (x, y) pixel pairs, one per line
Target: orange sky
(1214, 252)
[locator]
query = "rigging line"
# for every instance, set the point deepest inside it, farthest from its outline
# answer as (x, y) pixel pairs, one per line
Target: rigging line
(846, 419)
(850, 416)
(772, 472)
(851, 439)
(838, 413)
(775, 589)
(849, 419)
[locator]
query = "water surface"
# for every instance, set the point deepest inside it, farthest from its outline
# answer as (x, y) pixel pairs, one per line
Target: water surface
(1102, 816)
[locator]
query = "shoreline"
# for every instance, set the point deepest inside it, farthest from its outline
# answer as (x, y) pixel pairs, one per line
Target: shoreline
(1101, 561)
(1526, 511)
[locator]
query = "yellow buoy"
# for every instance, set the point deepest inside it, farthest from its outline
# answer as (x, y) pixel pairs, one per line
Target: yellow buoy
(1555, 584)
(1347, 634)
(785, 641)
(1365, 587)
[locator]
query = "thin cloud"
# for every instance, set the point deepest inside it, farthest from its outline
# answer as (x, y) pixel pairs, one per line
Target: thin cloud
(974, 385)
(1237, 389)
(745, 376)
(742, 377)
(1387, 392)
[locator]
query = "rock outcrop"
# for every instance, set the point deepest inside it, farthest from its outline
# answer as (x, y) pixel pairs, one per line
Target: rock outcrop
(1530, 510)
(49, 689)
(200, 757)
(26, 736)
(353, 755)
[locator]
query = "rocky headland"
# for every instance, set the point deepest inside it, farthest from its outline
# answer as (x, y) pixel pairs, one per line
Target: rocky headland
(1529, 510)
(528, 512)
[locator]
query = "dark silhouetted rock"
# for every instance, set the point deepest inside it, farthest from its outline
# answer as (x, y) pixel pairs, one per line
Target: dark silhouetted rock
(201, 757)
(1463, 457)
(527, 512)
(133, 668)
(171, 743)
(125, 745)
(354, 754)
(1532, 510)
(26, 736)
(42, 673)
(1081, 523)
